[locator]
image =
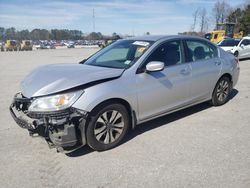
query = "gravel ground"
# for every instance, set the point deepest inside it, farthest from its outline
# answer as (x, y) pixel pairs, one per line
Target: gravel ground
(201, 146)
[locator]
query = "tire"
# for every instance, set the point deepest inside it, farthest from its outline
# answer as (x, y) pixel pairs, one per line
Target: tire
(221, 91)
(107, 126)
(236, 54)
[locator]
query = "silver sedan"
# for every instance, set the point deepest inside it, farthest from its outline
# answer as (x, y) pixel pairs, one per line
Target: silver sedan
(127, 83)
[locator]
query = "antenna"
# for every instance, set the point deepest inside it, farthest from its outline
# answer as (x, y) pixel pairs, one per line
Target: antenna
(93, 20)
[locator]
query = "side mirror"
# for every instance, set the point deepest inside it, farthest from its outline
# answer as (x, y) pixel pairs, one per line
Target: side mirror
(83, 61)
(154, 66)
(242, 45)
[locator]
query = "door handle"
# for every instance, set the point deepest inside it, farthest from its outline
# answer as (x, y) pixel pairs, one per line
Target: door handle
(217, 63)
(184, 72)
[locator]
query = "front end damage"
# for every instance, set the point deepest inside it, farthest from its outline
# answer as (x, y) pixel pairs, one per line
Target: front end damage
(63, 130)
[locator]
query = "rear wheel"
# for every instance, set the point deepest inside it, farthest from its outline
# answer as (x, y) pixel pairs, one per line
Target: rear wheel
(107, 127)
(221, 91)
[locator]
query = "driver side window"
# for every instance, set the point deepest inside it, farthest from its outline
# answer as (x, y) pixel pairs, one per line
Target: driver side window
(246, 42)
(169, 53)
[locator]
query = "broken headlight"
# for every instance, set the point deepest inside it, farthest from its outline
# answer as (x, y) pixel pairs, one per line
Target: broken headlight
(54, 102)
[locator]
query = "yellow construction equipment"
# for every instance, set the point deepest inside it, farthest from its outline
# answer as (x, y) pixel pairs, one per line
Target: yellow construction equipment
(105, 43)
(26, 45)
(11, 45)
(225, 30)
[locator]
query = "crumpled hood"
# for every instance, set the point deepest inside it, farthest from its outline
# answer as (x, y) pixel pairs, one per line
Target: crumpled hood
(59, 77)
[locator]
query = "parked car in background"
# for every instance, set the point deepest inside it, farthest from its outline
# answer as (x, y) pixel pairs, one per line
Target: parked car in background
(36, 44)
(70, 45)
(58, 44)
(47, 46)
(129, 82)
(239, 47)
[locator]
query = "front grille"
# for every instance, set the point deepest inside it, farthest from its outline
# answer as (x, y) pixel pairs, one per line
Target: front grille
(55, 114)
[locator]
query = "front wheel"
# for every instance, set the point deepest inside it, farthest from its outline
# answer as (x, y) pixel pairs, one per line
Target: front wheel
(221, 91)
(236, 54)
(107, 127)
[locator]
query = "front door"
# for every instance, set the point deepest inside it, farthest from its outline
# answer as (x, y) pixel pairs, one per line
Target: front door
(245, 48)
(162, 91)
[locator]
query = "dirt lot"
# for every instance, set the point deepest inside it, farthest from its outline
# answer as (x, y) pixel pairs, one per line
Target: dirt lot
(202, 146)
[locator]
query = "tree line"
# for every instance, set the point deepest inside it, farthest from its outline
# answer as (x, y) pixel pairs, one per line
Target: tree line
(44, 34)
(222, 12)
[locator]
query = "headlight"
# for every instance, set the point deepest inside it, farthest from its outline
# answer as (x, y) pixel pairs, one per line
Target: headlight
(54, 102)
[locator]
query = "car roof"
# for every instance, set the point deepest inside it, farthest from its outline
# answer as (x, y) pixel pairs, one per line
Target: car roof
(155, 38)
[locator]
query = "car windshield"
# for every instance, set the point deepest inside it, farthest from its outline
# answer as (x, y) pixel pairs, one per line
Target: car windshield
(229, 42)
(121, 54)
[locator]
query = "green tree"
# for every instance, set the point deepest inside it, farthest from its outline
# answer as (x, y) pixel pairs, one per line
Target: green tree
(44, 34)
(2, 33)
(35, 34)
(220, 11)
(94, 36)
(241, 18)
(115, 36)
(246, 20)
(10, 33)
(23, 35)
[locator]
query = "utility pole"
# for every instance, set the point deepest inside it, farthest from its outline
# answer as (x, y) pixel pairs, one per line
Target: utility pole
(93, 20)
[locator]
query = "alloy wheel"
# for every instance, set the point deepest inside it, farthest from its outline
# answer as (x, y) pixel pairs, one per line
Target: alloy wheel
(109, 126)
(222, 90)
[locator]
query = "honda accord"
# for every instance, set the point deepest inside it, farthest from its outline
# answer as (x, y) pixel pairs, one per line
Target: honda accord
(131, 81)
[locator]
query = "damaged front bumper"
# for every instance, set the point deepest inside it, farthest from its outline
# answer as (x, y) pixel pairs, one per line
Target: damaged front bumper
(64, 129)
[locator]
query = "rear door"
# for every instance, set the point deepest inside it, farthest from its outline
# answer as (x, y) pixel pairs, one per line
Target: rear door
(159, 92)
(205, 65)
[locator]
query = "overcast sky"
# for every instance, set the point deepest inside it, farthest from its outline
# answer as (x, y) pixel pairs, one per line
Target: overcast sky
(124, 17)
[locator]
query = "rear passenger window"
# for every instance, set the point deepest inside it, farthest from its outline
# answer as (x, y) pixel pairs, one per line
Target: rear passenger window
(199, 50)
